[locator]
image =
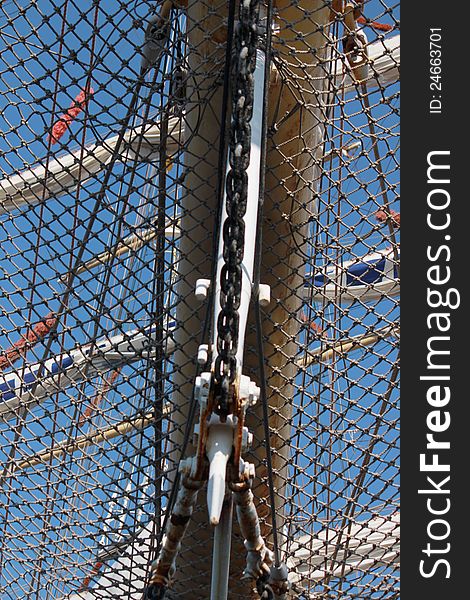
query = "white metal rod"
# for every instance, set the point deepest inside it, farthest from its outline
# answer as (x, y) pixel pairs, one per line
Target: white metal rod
(221, 552)
(251, 215)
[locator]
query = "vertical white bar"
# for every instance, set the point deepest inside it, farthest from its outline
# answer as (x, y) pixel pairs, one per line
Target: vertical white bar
(251, 220)
(221, 552)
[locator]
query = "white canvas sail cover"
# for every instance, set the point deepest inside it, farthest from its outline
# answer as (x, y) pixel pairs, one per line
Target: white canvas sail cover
(31, 185)
(61, 372)
(63, 173)
(331, 552)
(125, 575)
(368, 544)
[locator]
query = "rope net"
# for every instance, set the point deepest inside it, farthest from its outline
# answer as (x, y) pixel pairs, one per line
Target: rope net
(112, 165)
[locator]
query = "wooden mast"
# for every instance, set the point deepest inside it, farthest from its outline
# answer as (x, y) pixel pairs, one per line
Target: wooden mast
(292, 175)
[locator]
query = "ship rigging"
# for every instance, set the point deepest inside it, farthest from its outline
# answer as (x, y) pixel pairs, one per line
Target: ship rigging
(202, 198)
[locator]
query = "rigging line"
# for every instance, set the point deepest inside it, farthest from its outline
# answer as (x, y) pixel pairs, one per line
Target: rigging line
(103, 289)
(173, 489)
(335, 308)
(325, 108)
(351, 506)
(223, 151)
(100, 393)
(296, 491)
(256, 284)
(88, 411)
(99, 197)
(378, 163)
(121, 307)
(120, 213)
(337, 294)
(104, 285)
(186, 439)
(328, 374)
(28, 43)
(108, 381)
(75, 222)
(267, 431)
(207, 325)
(21, 416)
(175, 486)
(338, 318)
(121, 311)
(150, 63)
(88, 233)
(328, 107)
(128, 264)
(158, 365)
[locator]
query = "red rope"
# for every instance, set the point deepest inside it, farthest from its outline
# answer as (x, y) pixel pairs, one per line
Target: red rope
(79, 104)
(20, 348)
(375, 24)
(383, 217)
(96, 401)
(313, 326)
(86, 582)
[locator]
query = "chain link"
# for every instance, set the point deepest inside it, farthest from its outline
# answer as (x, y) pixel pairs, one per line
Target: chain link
(242, 83)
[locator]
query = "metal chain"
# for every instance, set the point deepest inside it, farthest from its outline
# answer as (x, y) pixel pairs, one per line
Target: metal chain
(242, 83)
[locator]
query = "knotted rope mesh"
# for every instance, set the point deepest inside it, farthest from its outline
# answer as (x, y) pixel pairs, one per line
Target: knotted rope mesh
(110, 171)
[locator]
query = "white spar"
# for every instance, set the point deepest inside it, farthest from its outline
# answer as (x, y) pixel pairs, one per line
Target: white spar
(28, 187)
(310, 558)
(69, 368)
(370, 277)
(363, 546)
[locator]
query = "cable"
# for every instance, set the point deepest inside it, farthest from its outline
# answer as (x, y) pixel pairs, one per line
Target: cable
(99, 197)
(256, 282)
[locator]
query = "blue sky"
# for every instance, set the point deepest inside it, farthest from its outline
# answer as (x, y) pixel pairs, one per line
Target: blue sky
(78, 494)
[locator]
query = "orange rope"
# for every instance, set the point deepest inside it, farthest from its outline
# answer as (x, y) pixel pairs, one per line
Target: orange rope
(375, 24)
(383, 217)
(86, 582)
(79, 104)
(96, 401)
(313, 326)
(20, 348)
